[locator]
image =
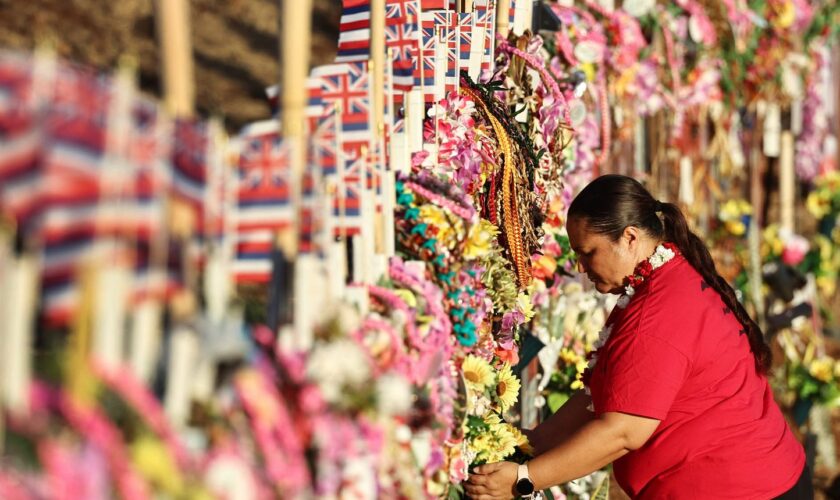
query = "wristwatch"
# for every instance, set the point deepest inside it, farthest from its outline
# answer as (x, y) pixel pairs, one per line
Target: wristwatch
(524, 486)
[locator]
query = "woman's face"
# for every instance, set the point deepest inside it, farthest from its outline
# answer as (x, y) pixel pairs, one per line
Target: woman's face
(604, 261)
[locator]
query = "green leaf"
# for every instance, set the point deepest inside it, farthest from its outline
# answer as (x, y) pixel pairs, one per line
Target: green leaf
(556, 400)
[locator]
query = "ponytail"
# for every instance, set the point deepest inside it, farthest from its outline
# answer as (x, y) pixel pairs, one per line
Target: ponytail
(695, 252)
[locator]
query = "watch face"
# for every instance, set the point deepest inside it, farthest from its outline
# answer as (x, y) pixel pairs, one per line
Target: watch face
(524, 486)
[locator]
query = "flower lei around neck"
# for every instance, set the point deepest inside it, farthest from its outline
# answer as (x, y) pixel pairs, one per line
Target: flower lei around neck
(664, 253)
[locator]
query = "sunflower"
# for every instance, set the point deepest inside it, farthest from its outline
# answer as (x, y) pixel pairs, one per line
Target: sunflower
(507, 388)
(477, 373)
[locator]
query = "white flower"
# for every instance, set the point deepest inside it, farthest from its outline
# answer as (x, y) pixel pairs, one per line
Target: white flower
(660, 257)
(337, 365)
(638, 8)
(629, 290)
(393, 395)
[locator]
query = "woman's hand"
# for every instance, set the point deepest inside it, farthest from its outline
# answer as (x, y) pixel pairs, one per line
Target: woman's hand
(492, 481)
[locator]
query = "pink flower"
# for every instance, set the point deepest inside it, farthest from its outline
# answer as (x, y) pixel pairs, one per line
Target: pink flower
(796, 247)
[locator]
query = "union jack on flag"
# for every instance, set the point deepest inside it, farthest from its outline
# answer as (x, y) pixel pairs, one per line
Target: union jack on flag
(398, 9)
(485, 15)
(466, 20)
(347, 87)
(325, 143)
(430, 75)
(403, 38)
(264, 192)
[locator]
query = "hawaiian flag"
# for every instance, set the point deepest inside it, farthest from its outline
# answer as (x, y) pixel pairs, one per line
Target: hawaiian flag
(452, 38)
(445, 25)
(148, 153)
(264, 192)
(20, 141)
(431, 74)
(354, 35)
(308, 220)
(190, 155)
(434, 4)
(398, 9)
(485, 16)
(466, 20)
(150, 143)
(346, 87)
(263, 199)
(76, 134)
(403, 38)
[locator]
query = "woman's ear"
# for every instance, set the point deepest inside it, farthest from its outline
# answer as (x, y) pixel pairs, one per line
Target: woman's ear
(631, 236)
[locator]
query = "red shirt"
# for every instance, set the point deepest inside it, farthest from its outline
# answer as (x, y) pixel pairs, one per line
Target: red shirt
(677, 354)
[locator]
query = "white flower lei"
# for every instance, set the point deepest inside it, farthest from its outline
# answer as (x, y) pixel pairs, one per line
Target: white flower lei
(657, 260)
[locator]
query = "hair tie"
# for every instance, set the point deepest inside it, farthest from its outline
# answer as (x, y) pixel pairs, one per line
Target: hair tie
(658, 206)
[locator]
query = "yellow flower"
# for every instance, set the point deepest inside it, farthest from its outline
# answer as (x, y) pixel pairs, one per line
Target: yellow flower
(154, 461)
(448, 226)
(817, 204)
(407, 296)
(736, 227)
(507, 388)
(772, 243)
(577, 384)
(478, 373)
(480, 241)
(827, 285)
(523, 303)
(822, 369)
(785, 14)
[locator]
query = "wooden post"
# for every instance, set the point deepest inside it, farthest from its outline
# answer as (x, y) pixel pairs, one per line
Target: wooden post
(502, 18)
(377, 53)
(787, 182)
(173, 24)
(295, 47)
(757, 163)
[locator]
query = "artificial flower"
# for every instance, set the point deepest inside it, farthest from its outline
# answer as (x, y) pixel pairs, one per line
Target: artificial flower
(507, 388)
(478, 373)
(480, 240)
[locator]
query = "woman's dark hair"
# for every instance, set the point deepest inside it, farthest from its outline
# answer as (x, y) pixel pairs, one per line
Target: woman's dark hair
(611, 203)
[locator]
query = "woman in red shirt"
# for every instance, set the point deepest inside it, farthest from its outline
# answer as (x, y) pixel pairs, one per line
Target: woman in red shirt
(676, 392)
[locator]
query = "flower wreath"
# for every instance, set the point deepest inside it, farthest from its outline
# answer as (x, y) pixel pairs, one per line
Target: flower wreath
(517, 209)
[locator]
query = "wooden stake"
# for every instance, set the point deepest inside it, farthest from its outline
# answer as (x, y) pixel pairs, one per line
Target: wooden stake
(295, 47)
(503, 17)
(787, 182)
(173, 24)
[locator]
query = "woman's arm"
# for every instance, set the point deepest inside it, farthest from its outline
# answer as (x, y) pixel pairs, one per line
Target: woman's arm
(598, 442)
(563, 423)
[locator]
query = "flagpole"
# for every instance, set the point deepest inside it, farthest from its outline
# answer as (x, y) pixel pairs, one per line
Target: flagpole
(295, 46)
(502, 18)
(174, 28)
(377, 50)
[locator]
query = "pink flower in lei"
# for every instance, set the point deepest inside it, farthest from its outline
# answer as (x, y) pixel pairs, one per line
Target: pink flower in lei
(102, 433)
(12, 487)
(73, 471)
(274, 431)
(463, 147)
(146, 406)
